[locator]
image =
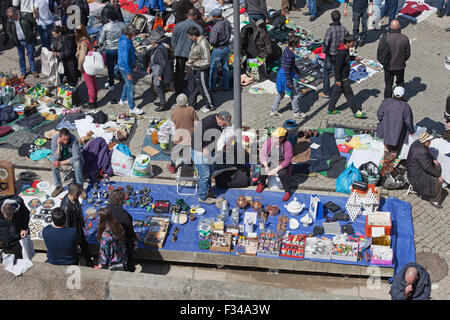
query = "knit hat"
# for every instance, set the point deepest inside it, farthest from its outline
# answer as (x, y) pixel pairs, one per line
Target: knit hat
(216, 13)
(182, 100)
(399, 92)
(424, 137)
(279, 132)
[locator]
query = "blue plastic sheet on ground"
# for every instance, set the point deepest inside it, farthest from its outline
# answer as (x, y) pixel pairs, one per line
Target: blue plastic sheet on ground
(402, 239)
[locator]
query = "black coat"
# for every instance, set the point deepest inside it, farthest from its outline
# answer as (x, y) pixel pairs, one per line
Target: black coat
(400, 49)
(65, 46)
(342, 65)
(422, 287)
(10, 229)
(27, 26)
(74, 215)
(126, 220)
(421, 170)
(181, 10)
(106, 9)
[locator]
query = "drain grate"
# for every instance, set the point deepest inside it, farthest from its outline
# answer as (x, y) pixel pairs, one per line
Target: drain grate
(434, 264)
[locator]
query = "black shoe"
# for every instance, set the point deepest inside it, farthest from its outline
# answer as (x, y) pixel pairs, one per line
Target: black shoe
(437, 206)
(362, 42)
(161, 108)
(307, 13)
(312, 18)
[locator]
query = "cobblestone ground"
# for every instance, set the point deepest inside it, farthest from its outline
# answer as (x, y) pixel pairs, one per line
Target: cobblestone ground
(427, 86)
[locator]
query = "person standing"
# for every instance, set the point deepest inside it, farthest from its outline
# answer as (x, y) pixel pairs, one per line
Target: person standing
(423, 172)
(412, 282)
(288, 5)
(198, 62)
(116, 201)
(203, 144)
(20, 31)
(341, 74)
(63, 47)
(126, 63)
(395, 120)
(333, 37)
(4, 5)
(26, 8)
(111, 6)
(399, 51)
(61, 243)
(84, 11)
(257, 10)
(360, 14)
(312, 9)
(84, 46)
(159, 67)
(440, 8)
(182, 9)
(45, 22)
(109, 38)
(111, 236)
(181, 44)
(184, 118)
(389, 7)
(74, 217)
(287, 80)
(219, 38)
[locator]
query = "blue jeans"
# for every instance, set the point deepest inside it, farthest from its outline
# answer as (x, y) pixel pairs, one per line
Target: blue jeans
(357, 17)
(440, 7)
(30, 53)
(128, 89)
(255, 17)
(205, 168)
(77, 166)
(312, 7)
(220, 56)
(111, 63)
(390, 6)
(46, 34)
(328, 66)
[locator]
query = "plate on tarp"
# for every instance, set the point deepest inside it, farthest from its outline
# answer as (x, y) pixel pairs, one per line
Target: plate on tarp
(30, 192)
(34, 203)
(43, 185)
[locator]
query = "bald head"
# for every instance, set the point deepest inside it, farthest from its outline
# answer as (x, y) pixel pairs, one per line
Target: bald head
(394, 24)
(411, 275)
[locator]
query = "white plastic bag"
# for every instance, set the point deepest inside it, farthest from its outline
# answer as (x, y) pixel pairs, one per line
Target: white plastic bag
(27, 248)
(93, 63)
(121, 163)
(142, 166)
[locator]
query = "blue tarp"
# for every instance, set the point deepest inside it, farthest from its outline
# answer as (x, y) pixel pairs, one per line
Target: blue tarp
(402, 239)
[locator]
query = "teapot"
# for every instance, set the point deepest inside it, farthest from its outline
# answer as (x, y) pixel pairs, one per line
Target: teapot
(294, 207)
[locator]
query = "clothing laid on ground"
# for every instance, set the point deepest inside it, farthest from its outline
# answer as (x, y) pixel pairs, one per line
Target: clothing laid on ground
(61, 245)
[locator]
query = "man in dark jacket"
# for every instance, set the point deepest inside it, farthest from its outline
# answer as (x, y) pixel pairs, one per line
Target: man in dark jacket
(20, 31)
(360, 14)
(84, 10)
(181, 45)
(396, 119)
(64, 48)
(116, 201)
(256, 42)
(423, 172)
(257, 10)
(333, 37)
(113, 5)
(4, 5)
(412, 282)
(74, 217)
(182, 9)
(341, 74)
(14, 219)
(400, 51)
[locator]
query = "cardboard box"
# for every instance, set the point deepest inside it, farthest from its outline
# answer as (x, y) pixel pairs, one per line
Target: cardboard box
(345, 250)
(378, 224)
(382, 255)
(317, 248)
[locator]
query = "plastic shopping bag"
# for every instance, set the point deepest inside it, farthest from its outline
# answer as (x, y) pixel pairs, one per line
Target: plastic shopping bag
(122, 160)
(142, 166)
(93, 63)
(346, 178)
(27, 248)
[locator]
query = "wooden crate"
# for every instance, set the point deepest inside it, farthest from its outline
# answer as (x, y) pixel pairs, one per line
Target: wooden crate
(218, 238)
(157, 232)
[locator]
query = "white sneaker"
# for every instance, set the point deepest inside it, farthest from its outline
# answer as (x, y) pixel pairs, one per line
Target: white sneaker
(299, 115)
(275, 114)
(124, 103)
(137, 111)
(206, 110)
(107, 86)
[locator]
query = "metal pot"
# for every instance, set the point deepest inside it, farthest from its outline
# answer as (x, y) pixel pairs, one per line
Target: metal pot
(241, 202)
(273, 210)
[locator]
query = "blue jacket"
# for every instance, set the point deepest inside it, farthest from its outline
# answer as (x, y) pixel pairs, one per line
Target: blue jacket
(422, 287)
(125, 54)
(282, 81)
(152, 4)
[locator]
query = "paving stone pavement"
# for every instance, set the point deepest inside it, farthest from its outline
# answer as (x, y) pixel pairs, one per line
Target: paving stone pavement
(427, 85)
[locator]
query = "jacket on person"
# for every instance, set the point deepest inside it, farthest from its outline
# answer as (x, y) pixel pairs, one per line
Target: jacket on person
(286, 150)
(73, 146)
(182, 9)
(97, 158)
(396, 119)
(342, 65)
(159, 63)
(27, 26)
(126, 51)
(422, 286)
(200, 54)
(257, 7)
(110, 34)
(333, 37)
(83, 47)
(421, 170)
(74, 214)
(126, 220)
(220, 33)
(180, 41)
(109, 7)
(400, 49)
(65, 46)
(10, 229)
(152, 4)
(84, 10)
(261, 39)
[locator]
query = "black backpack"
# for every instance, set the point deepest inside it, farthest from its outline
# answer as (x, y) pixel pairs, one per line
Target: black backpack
(384, 53)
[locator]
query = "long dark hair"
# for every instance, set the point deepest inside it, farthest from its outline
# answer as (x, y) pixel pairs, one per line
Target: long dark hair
(107, 221)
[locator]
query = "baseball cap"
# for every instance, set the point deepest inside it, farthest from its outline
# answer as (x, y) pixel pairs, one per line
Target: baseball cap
(225, 116)
(216, 13)
(279, 132)
(399, 92)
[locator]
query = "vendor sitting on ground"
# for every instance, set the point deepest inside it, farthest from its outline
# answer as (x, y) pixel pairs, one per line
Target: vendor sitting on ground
(424, 173)
(275, 156)
(66, 151)
(411, 283)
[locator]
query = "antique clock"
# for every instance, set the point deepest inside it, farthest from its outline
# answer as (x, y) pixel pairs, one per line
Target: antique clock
(7, 178)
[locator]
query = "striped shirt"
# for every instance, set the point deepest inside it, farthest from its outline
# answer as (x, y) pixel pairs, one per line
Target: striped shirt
(220, 33)
(288, 64)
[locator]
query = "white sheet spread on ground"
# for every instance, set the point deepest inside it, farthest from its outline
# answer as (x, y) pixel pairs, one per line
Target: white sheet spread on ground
(424, 15)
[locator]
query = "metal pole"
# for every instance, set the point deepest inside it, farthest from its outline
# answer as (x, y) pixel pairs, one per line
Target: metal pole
(237, 67)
